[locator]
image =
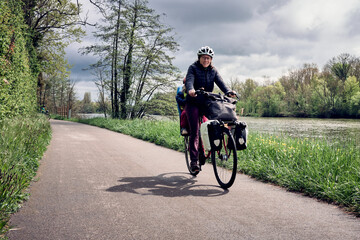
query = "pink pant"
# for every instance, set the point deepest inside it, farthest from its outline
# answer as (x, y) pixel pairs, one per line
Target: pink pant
(193, 114)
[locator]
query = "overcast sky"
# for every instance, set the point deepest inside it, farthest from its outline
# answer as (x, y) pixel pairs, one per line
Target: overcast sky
(250, 38)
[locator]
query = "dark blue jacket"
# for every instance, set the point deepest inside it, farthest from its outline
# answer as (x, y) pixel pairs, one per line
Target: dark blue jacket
(199, 77)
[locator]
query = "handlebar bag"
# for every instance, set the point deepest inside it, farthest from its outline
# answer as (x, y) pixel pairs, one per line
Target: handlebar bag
(220, 107)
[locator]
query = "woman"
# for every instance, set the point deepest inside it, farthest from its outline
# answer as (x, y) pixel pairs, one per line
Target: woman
(201, 75)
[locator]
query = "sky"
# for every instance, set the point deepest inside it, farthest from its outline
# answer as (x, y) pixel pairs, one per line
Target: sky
(258, 39)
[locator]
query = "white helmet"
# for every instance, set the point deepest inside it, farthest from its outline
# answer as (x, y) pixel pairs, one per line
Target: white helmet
(206, 51)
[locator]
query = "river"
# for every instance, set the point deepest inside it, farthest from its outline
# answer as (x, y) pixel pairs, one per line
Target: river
(307, 127)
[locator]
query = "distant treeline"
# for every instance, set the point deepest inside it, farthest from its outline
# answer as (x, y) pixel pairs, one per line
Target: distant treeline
(306, 92)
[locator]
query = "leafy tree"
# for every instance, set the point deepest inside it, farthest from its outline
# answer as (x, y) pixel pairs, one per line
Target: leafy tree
(341, 66)
(100, 73)
(53, 25)
(136, 46)
(162, 104)
(351, 91)
(86, 104)
(298, 88)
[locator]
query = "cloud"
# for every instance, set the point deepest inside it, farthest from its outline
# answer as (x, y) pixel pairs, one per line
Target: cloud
(81, 87)
(257, 38)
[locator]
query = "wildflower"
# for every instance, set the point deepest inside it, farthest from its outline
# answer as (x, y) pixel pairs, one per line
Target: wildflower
(5, 81)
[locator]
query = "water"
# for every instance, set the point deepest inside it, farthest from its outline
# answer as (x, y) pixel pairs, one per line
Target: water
(90, 115)
(307, 127)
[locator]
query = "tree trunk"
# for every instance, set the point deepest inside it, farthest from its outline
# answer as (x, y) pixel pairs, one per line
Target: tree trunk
(128, 68)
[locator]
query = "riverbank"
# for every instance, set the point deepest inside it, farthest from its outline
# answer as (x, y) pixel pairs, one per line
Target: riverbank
(329, 172)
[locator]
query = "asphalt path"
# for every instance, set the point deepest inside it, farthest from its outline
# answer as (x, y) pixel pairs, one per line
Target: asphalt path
(97, 184)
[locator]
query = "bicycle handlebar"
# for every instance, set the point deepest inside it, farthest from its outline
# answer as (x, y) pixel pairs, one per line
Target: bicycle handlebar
(202, 91)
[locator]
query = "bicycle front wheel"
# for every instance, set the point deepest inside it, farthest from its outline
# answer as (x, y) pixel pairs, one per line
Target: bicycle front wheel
(187, 156)
(225, 160)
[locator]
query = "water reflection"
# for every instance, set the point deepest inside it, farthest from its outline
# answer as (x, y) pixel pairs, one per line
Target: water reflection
(305, 127)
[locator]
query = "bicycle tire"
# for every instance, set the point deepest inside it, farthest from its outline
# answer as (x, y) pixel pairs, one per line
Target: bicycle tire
(187, 156)
(225, 161)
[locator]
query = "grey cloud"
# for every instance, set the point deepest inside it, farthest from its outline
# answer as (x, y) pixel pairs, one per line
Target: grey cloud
(250, 35)
(354, 23)
(227, 26)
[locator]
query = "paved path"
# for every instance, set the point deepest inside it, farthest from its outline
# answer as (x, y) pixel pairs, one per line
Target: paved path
(97, 184)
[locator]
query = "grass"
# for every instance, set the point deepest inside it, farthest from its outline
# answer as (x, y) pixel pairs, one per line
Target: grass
(315, 167)
(22, 143)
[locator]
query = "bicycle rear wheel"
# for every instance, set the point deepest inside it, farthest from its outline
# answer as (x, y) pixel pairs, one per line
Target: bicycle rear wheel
(225, 161)
(187, 156)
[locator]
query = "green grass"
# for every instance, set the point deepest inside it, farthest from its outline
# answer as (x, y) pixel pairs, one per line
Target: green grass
(315, 167)
(22, 143)
(164, 133)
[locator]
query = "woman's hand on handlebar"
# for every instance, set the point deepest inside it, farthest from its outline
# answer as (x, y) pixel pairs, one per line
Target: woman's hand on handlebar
(232, 94)
(192, 93)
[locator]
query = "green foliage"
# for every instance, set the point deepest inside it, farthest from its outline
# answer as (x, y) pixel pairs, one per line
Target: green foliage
(23, 140)
(306, 92)
(17, 81)
(164, 133)
(86, 106)
(162, 104)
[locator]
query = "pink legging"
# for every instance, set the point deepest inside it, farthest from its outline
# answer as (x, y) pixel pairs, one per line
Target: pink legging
(193, 114)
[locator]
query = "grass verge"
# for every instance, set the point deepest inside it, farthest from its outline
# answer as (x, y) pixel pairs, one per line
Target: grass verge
(23, 141)
(315, 167)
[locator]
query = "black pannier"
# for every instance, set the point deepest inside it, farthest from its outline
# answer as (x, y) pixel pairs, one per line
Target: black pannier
(215, 135)
(220, 107)
(240, 135)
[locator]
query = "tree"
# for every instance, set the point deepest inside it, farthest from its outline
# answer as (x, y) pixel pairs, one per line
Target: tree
(60, 93)
(86, 104)
(298, 85)
(351, 91)
(341, 66)
(53, 25)
(162, 104)
(136, 46)
(100, 73)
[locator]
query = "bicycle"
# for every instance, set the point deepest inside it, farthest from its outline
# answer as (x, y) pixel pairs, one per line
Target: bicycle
(224, 160)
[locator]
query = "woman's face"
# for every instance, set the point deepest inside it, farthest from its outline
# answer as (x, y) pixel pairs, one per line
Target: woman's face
(205, 60)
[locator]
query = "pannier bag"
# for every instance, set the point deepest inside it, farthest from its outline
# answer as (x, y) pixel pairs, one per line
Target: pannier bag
(240, 135)
(220, 107)
(211, 135)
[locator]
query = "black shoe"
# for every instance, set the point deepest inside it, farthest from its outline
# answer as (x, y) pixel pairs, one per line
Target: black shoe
(202, 158)
(184, 132)
(195, 167)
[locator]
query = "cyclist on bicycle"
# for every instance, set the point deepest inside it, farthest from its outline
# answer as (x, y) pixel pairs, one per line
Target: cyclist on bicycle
(201, 75)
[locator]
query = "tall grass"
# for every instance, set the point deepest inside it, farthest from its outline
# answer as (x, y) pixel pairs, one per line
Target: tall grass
(315, 167)
(22, 142)
(164, 133)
